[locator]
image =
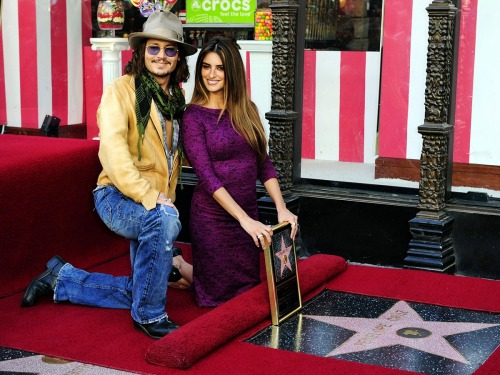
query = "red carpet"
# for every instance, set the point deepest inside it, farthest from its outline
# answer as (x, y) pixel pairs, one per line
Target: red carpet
(105, 337)
(421, 286)
(186, 346)
(48, 208)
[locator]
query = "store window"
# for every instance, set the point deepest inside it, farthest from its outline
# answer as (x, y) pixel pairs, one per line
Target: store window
(196, 34)
(343, 25)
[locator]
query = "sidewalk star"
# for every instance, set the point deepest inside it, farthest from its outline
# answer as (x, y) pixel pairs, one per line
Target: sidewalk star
(400, 325)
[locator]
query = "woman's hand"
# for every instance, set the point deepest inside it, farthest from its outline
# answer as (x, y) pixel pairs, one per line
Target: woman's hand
(260, 233)
(286, 215)
(273, 188)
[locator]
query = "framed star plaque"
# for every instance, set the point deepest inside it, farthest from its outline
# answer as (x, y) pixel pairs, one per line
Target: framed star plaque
(282, 275)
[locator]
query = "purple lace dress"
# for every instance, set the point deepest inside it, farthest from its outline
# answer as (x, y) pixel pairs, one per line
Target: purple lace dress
(225, 259)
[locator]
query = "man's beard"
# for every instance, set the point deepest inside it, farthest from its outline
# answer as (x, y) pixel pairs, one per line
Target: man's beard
(162, 75)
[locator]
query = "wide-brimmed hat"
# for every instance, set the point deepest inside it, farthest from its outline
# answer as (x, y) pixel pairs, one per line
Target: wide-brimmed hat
(164, 26)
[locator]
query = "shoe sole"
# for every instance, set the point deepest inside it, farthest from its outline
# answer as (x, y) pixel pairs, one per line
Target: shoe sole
(143, 330)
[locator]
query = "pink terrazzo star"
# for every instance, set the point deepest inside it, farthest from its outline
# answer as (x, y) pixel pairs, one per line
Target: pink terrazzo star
(400, 325)
(284, 256)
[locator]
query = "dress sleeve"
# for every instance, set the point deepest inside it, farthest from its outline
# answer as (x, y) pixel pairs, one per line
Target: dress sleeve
(267, 170)
(195, 146)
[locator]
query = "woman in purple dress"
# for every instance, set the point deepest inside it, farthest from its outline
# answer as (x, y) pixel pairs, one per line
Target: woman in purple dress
(226, 145)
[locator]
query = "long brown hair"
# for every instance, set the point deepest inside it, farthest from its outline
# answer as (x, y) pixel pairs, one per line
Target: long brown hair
(242, 111)
(137, 65)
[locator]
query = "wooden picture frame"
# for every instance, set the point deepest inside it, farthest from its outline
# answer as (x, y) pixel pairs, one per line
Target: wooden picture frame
(282, 274)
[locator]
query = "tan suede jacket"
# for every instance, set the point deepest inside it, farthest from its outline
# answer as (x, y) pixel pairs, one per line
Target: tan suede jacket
(141, 180)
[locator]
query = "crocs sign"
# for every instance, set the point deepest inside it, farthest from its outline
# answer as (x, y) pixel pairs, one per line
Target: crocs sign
(220, 11)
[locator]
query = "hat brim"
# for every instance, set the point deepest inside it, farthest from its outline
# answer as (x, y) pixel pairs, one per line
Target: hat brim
(134, 39)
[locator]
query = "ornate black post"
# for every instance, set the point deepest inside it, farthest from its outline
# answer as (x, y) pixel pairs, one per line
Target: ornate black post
(282, 116)
(432, 245)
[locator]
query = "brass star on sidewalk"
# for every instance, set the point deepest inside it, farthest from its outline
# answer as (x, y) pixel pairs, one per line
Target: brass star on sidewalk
(400, 325)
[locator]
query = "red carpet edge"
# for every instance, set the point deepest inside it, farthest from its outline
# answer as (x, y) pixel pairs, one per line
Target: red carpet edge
(193, 341)
(434, 288)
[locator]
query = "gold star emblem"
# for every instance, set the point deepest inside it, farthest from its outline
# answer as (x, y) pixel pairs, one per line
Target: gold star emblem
(283, 255)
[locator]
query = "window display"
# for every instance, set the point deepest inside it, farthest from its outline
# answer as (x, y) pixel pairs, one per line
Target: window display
(343, 25)
(110, 16)
(136, 11)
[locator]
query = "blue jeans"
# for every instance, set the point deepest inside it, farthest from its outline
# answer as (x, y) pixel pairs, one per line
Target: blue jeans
(151, 234)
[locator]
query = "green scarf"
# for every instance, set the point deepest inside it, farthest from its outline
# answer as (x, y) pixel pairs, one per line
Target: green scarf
(147, 89)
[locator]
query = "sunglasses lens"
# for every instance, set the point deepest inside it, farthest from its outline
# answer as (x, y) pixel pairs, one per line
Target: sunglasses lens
(170, 52)
(153, 50)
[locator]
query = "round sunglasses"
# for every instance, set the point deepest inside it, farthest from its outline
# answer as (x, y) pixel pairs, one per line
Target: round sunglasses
(155, 50)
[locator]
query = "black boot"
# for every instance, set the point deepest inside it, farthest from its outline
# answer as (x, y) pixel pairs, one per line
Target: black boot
(44, 284)
(158, 329)
(176, 250)
(175, 274)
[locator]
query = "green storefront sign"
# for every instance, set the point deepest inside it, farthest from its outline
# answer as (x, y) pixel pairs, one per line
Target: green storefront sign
(220, 11)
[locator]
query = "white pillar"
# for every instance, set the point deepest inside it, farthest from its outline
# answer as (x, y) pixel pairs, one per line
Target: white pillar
(111, 56)
(261, 61)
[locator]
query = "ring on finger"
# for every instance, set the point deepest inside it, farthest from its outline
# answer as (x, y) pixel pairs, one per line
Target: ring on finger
(260, 235)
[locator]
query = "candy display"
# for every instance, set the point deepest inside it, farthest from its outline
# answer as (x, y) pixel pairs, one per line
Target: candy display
(263, 29)
(110, 15)
(146, 7)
